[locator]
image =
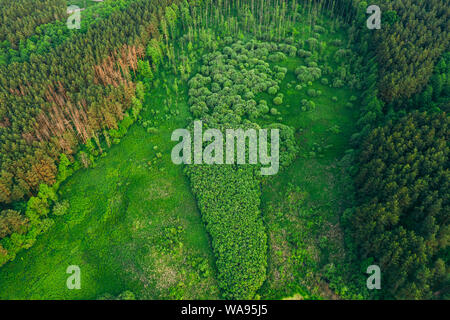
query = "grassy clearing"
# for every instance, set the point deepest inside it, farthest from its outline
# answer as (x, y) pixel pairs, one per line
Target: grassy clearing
(131, 226)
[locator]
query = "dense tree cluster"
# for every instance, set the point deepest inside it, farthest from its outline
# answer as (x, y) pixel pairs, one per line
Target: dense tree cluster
(232, 80)
(53, 34)
(413, 37)
(401, 222)
(436, 94)
(19, 18)
(18, 230)
(229, 199)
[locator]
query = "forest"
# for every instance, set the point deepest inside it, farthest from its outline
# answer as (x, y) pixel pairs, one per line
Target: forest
(86, 176)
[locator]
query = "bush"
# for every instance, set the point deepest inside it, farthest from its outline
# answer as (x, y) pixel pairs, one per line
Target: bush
(152, 130)
(306, 74)
(312, 93)
(272, 90)
(338, 83)
(263, 108)
(278, 100)
(249, 95)
(277, 57)
(335, 129)
(280, 75)
(304, 53)
(336, 42)
(61, 208)
(313, 43)
(319, 29)
(240, 243)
